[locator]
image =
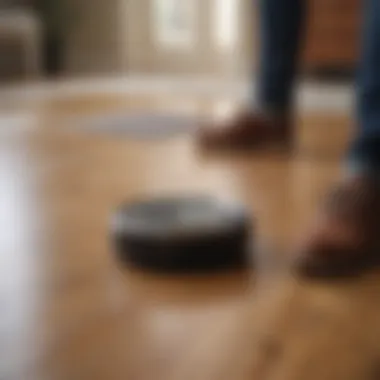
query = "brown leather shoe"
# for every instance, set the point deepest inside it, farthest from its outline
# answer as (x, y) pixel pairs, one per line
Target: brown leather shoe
(345, 238)
(246, 130)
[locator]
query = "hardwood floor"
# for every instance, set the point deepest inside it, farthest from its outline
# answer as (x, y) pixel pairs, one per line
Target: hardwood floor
(68, 311)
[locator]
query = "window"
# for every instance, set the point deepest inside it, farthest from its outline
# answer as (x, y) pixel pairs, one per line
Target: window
(225, 23)
(174, 23)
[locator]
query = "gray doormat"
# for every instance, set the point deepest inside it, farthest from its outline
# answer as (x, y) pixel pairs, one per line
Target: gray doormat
(146, 125)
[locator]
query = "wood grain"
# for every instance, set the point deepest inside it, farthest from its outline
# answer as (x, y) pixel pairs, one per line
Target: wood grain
(68, 311)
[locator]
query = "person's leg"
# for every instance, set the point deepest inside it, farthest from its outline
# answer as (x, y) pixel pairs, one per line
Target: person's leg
(365, 152)
(281, 25)
(280, 35)
(345, 238)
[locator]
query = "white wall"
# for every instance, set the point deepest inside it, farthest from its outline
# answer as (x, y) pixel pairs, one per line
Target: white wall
(117, 36)
(142, 54)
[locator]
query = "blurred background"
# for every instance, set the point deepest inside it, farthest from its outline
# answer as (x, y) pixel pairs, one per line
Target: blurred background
(76, 38)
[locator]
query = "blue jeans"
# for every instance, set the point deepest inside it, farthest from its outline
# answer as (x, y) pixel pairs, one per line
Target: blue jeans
(280, 36)
(281, 33)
